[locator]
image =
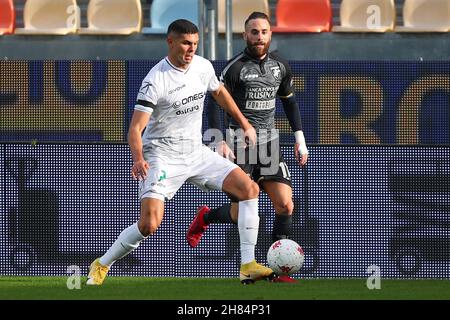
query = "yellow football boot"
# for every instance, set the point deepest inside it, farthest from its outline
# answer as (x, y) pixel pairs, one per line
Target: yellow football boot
(97, 273)
(253, 271)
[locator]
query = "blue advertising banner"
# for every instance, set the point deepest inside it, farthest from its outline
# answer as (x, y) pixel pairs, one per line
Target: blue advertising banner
(356, 208)
(341, 102)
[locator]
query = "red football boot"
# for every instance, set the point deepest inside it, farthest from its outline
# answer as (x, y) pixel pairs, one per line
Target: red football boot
(197, 227)
(284, 278)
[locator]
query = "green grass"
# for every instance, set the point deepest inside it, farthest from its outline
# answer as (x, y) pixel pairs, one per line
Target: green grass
(138, 288)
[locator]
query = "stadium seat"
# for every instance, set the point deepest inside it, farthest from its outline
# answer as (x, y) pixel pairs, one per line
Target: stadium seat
(366, 16)
(425, 16)
(163, 12)
(241, 10)
(7, 17)
(303, 16)
(55, 17)
(119, 17)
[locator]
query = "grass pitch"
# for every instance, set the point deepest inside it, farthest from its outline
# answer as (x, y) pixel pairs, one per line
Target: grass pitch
(144, 288)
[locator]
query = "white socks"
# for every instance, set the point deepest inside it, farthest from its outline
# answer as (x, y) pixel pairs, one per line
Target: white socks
(127, 241)
(248, 224)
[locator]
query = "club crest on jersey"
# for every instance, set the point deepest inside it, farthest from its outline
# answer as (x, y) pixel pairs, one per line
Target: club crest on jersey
(276, 72)
(203, 78)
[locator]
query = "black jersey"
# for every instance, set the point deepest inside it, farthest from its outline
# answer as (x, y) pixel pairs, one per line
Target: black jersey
(254, 85)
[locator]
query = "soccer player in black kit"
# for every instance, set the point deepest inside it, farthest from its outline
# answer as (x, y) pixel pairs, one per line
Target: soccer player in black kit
(254, 78)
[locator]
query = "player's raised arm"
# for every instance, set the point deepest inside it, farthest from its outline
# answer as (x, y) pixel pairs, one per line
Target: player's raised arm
(137, 125)
(290, 106)
(224, 99)
(292, 111)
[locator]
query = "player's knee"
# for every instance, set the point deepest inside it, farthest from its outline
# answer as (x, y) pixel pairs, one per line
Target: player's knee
(284, 207)
(148, 229)
(254, 190)
(249, 191)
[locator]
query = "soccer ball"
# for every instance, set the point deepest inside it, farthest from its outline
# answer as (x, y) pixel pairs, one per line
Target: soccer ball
(285, 257)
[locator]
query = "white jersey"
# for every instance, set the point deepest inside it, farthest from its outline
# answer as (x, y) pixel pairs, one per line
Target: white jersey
(175, 97)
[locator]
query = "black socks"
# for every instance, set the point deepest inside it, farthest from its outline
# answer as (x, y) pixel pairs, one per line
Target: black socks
(219, 215)
(282, 227)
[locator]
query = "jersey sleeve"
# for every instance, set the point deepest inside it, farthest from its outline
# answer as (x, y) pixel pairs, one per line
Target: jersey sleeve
(286, 87)
(230, 77)
(147, 97)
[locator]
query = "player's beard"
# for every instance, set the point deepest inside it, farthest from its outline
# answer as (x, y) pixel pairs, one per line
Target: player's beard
(256, 52)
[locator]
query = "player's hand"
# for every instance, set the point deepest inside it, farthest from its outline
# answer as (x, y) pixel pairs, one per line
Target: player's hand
(225, 151)
(250, 136)
(139, 170)
(302, 158)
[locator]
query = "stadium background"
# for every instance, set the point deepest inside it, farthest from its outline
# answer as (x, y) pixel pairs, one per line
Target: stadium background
(375, 192)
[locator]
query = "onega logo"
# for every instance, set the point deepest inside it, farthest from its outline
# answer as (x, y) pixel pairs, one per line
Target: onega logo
(177, 89)
(196, 96)
(188, 110)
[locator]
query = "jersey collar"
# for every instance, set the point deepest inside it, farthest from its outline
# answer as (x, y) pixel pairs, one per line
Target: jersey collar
(179, 69)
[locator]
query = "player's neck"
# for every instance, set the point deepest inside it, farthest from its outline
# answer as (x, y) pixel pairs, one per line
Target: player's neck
(174, 62)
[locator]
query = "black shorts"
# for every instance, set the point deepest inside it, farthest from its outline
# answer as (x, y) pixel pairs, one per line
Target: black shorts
(262, 163)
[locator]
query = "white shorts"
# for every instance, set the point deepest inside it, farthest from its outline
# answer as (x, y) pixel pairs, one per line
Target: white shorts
(205, 168)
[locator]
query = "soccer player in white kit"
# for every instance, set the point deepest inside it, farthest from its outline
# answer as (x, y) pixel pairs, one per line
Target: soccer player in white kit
(169, 107)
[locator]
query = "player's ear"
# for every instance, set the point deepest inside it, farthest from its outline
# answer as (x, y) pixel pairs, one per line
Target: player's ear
(244, 36)
(169, 41)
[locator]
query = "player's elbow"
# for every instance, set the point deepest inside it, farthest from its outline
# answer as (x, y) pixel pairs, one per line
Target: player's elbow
(132, 134)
